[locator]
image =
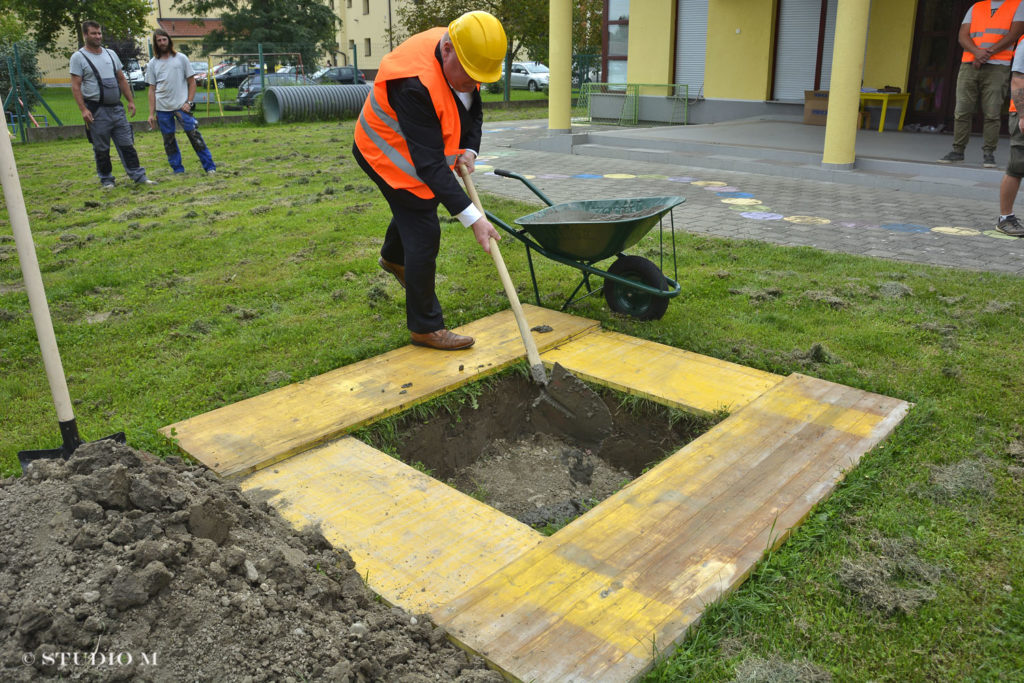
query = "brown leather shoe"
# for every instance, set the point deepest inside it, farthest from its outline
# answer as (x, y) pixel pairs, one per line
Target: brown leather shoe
(445, 340)
(395, 269)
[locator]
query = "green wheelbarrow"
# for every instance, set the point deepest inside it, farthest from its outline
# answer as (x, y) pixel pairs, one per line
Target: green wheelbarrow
(581, 234)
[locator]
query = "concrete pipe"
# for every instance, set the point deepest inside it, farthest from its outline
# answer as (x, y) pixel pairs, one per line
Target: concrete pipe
(313, 102)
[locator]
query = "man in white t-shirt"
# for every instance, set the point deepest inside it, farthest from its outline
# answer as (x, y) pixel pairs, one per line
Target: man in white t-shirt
(988, 33)
(172, 89)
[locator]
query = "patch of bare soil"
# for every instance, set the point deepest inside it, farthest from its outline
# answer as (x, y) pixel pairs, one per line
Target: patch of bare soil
(498, 449)
(115, 566)
(540, 479)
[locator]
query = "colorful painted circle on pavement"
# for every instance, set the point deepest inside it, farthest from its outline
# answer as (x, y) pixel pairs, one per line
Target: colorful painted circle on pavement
(954, 230)
(681, 179)
(905, 227)
(742, 201)
(587, 175)
(708, 183)
(750, 207)
(808, 220)
(728, 194)
(484, 168)
(854, 224)
(762, 215)
(1000, 235)
(619, 176)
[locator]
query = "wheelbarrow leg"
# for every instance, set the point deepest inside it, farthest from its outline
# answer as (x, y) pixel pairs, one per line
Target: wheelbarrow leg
(533, 275)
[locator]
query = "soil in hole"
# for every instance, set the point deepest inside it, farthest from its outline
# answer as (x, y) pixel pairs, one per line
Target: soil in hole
(491, 448)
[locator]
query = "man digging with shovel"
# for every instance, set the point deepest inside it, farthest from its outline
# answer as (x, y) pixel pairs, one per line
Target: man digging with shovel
(422, 119)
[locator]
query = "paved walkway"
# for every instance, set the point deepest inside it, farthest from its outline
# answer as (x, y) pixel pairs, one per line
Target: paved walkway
(877, 221)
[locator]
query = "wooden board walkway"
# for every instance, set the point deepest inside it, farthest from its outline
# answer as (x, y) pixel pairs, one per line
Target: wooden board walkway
(664, 374)
(594, 601)
(417, 542)
(244, 436)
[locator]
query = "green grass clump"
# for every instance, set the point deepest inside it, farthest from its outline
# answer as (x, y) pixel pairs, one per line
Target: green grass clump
(173, 300)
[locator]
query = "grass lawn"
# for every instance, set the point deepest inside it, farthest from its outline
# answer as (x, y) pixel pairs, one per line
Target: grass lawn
(172, 300)
(63, 104)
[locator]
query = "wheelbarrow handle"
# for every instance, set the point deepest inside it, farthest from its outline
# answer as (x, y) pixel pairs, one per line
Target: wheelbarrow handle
(509, 174)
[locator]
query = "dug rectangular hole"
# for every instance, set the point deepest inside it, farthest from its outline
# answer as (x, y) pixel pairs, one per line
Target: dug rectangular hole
(484, 439)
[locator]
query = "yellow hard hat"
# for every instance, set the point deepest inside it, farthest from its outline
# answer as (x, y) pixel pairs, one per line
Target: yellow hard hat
(480, 45)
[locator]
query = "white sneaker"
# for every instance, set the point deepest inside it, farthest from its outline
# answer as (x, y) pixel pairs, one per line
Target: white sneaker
(107, 186)
(146, 181)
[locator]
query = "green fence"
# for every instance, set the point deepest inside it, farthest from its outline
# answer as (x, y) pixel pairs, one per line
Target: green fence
(629, 104)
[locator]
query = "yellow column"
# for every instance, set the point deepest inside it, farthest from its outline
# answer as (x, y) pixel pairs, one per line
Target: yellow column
(560, 50)
(844, 91)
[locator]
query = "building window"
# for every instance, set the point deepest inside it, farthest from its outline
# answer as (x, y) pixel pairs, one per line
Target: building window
(366, 6)
(616, 40)
(366, 47)
(352, 47)
(348, 3)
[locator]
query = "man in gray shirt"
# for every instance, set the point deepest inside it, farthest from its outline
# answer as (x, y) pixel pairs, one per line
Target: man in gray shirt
(172, 87)
(97, 84)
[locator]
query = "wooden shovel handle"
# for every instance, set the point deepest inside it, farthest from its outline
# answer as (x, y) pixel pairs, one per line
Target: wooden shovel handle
(517, 310)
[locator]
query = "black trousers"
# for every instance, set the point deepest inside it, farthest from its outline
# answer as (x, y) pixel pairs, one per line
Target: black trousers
(413, 239)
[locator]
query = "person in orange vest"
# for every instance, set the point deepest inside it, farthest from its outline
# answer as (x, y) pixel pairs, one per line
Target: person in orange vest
(987, 35)
(1008, 223)
(422, 119)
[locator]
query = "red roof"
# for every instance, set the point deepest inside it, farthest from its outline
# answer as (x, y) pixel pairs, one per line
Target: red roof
(187, 28)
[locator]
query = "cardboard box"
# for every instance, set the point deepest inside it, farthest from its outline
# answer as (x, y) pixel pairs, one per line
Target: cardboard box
(815, 107)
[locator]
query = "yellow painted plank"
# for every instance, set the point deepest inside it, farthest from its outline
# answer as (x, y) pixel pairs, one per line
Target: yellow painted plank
(416, 541)
(242, 437)
(591, 602)
(661, 373)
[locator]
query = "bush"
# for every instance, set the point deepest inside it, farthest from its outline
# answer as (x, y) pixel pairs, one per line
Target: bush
(497, 87)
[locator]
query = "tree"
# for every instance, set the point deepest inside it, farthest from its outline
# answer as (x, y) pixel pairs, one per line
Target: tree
(304, 26)
(525, 21)
(47, 20)
(26, 63)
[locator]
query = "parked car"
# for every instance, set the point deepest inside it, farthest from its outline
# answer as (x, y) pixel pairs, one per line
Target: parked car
(250, 88)
(200, 69)
(338, 74)
(135, 74)
(234, 75)
(532, 76)
(201, 78)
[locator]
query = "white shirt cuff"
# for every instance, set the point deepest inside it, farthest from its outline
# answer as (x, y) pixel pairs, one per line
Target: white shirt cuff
(469, 215)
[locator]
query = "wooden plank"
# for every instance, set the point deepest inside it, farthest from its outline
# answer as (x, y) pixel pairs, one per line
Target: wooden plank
(242, 437)
(417, 542)
(671, 376)
(591, 602)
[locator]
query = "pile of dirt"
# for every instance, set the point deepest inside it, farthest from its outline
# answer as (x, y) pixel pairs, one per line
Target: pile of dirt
(116, 565)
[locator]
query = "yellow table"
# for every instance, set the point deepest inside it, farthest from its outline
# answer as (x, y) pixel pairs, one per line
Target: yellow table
(885, 98)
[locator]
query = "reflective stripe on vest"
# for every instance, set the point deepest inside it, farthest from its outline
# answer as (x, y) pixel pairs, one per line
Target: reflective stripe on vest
(378, 134)
(988, 29)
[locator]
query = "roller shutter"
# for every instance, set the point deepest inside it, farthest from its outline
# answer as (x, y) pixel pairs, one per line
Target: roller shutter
(691, 44)
(796, 52)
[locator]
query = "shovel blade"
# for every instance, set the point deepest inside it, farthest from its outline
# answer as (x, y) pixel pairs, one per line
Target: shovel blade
(568, 407)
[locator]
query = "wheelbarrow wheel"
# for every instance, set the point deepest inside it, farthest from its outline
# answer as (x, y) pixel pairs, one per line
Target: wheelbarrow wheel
(629, 300)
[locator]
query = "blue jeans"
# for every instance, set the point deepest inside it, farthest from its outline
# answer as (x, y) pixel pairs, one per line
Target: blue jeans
(166, 119)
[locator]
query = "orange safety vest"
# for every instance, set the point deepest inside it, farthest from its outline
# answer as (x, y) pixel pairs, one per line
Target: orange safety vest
(988, 29)
(378, 135)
